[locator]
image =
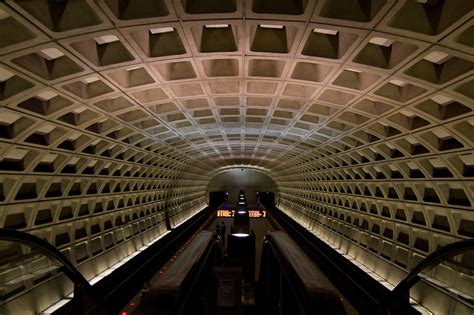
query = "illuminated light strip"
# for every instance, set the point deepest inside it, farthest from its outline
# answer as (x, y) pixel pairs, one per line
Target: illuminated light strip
(53, 308)
(50, 310)
(240, 234)
(112, 268)
(178, 224)
(96, 279)
(185, 220)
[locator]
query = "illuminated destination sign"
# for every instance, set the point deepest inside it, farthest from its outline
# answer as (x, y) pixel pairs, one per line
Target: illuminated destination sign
(258, 213)
(231, 213)
(225, 213)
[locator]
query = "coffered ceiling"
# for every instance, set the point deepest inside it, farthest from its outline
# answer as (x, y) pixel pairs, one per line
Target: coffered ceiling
(359, 110)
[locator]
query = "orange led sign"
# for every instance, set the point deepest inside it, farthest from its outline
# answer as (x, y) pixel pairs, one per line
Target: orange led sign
(222, 213)
(225, 213)
(257, 213)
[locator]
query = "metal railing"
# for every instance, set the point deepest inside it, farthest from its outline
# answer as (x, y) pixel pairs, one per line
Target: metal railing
(398, 301)
(85, 300)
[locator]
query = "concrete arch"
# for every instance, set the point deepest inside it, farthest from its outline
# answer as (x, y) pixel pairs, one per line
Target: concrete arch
(249, 179)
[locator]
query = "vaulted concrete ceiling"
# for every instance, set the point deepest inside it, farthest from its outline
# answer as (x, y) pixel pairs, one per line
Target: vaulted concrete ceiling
(229, 83)
(343, 103)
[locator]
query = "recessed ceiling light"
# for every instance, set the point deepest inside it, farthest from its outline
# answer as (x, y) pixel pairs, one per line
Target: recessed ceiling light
(241, 234)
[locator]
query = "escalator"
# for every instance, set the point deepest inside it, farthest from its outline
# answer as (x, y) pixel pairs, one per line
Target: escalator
(205, 280)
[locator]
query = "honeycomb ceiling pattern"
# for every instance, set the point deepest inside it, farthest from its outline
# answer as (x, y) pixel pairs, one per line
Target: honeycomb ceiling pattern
(362, 111)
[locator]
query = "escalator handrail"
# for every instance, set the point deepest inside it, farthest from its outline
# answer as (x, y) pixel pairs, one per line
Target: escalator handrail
(86, 300)
(49, 250)
(401, 291)
(398, 301)
(300, 273)
(171, 293)
(343, 266)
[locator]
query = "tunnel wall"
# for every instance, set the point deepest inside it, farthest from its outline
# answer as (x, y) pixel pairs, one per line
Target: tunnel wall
(362, 111)
(251, 181)
(96, 210)
(386, 224)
